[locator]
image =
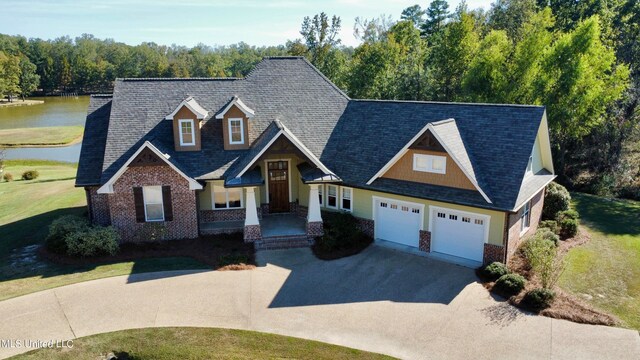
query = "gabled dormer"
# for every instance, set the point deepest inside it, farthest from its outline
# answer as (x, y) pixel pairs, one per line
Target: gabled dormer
(235, 124)
(187, 118)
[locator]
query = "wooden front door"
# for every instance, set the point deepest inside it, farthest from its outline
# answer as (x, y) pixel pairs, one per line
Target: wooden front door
(278, 173)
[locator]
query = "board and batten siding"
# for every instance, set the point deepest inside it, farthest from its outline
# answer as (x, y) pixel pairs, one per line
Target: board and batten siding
(403, 170)
(363, 208)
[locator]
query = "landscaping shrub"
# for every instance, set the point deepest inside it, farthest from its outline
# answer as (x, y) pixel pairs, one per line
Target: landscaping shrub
(7, 177)
(556, 199)
(495, 270)
(568, 214)
(549, 235)
(233, 259)
(541, 254)
(30, 175)
(340, 231)
(549, 224)
(60, 228)
(509, 284)
(538, 299)
(568, 228)
(94, 241)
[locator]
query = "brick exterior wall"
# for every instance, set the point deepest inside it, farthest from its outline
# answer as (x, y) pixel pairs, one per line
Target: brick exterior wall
(252, 233)
(514, 239)
(315, 228)
(225, 215)
(492, 253)
(366, 226)
(425, 241)
(302, 211)
(122, 207)
(98, 206)
(293, 208)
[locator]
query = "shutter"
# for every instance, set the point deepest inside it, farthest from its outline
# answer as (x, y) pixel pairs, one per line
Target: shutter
(138, 200)
(166, 203)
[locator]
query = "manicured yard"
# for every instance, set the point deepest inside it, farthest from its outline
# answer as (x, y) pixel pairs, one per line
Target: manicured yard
(199, 343)
(41, 136)
(606, 270)
(28, 207)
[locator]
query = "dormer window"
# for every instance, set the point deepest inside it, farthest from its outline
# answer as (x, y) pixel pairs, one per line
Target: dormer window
(236, 131)
(187, 132)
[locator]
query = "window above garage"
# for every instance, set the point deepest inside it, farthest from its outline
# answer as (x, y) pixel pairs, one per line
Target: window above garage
(430, 163)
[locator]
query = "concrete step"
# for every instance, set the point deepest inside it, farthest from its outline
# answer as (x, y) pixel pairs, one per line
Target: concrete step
(284, 242)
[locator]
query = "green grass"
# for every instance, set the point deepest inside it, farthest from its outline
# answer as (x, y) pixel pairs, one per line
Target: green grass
(28, 207)
(198, 343)
(40, 136)
(607, 268)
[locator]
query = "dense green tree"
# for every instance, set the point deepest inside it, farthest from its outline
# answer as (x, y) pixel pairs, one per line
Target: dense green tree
(320, 36)
(450, 57)
(372, 30)
(414, 14)
(436, 16)
(487, 78)
(509, 15)
(9, 75)
(29, 80)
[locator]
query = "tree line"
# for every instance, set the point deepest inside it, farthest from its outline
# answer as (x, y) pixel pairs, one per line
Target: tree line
(578, 58)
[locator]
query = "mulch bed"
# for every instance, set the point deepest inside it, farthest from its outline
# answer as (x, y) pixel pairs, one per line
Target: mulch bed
(565, 306)
(221, 252)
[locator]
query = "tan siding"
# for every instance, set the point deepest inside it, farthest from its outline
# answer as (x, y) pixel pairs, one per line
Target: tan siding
(403, 170)
(234, 112)
(185, 113)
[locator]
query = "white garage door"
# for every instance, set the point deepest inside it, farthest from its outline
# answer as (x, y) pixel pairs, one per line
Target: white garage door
(398, 221)
(457, 233)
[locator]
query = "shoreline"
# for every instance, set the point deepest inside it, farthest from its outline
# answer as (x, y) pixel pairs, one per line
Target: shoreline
(4, 103)
(19, 146)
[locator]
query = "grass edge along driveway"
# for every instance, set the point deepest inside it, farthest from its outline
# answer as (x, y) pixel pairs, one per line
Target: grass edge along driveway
(606, 271)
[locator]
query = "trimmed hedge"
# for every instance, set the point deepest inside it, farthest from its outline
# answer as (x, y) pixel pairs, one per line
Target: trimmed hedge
(509, 284)
(568, 214)
(549, 224)
(538, 299)
(73, 235)
(568, 228)
(556, 199)
(60, 228)
(495, 270)
(549, 235)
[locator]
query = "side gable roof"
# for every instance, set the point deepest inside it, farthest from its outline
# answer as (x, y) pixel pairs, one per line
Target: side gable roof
(193, 106)
(95, 138)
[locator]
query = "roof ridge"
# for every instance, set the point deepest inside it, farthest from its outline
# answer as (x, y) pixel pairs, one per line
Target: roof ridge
(335, 87)
(180, 79)
(448, 103)
(101, 95)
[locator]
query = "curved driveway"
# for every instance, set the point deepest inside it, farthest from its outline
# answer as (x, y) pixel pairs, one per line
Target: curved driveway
(381, 300)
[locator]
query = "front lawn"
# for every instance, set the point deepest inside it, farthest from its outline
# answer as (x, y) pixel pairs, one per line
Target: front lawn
(41, 136)
(27, 209)
(198, 343)
(606, 270)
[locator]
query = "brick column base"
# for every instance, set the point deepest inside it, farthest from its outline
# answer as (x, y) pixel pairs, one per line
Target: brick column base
(492, 253)
(252, 233)
(425, 241)
(315, 228)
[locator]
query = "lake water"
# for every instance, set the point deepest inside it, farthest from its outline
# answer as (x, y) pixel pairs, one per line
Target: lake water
(56, 111)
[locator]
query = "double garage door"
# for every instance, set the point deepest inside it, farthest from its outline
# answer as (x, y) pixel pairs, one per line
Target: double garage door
(454, 233)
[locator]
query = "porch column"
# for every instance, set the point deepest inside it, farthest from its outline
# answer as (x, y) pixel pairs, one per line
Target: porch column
(251, 224)
(314, 218)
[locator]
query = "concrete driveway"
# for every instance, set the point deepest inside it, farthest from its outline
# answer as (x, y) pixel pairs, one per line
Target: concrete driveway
(381, 300)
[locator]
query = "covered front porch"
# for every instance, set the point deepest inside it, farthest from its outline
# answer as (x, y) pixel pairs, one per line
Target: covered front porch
(274, 193)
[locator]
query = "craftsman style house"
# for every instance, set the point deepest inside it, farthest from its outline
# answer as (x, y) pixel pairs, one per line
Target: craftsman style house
(270, 153)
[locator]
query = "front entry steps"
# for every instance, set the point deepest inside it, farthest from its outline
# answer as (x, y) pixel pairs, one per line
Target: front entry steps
(284, 242)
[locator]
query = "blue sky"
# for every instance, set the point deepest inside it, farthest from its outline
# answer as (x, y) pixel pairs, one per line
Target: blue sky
(189, 22)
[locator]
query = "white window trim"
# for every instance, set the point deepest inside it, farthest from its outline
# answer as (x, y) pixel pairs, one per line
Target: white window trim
(342, 188)
(226, 192)
(231, 142)
(429, 159)
(144, 200)
(434, 209)
(193, 132)
(523, 229)
(321, 194)
(337, 197)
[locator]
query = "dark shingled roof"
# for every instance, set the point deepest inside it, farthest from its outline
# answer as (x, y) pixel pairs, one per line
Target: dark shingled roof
(95, 138)
(353, 138)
